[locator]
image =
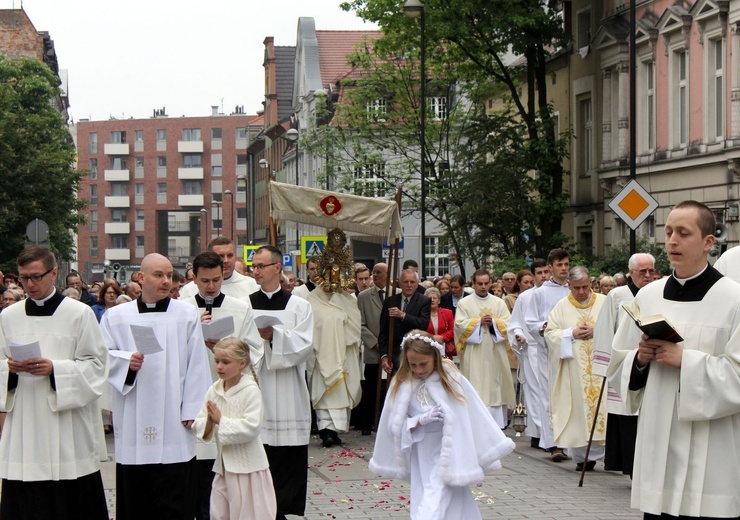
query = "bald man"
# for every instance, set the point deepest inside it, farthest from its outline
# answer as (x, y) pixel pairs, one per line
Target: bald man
(156, 396)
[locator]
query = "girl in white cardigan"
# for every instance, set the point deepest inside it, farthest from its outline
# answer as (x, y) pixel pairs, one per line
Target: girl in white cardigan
(436, 433)
(232, 414)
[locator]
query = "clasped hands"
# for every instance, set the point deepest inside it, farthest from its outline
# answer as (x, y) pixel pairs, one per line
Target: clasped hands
(664, 352)
(583, 332)
(35, 366)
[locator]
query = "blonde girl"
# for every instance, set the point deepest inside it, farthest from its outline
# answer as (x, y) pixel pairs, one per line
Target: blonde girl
(232, 414)
(436, 433)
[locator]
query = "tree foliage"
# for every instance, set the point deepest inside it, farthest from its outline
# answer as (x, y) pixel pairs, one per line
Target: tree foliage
(37, 176)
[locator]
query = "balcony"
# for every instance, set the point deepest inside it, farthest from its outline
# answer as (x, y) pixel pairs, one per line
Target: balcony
(190, 200)
(189, 146)
(118, 202)
(117, 228)
(190, 173)
(117, 175)
(116, 149)
(117, 254)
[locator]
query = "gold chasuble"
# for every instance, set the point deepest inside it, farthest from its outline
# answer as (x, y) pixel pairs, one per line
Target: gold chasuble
(574, 390)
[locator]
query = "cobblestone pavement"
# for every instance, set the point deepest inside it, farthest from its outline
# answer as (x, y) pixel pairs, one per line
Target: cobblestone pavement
(529, 486)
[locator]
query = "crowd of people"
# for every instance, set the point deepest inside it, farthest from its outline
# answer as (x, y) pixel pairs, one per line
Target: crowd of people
(218, 378)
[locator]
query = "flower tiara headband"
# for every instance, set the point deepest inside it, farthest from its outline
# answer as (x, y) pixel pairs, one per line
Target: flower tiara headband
(425, 339)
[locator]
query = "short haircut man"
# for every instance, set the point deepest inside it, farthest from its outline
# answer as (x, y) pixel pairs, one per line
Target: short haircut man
(156, 397)
(49, 459)
(74, 280)
(456, 293)
(686, 392)
(234, 283)
(362, 278)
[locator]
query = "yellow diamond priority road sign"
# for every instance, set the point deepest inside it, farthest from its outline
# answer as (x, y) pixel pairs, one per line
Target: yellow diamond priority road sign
(633, 204)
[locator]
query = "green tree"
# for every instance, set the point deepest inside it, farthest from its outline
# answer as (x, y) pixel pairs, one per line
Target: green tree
(37, 176)
(472, 38)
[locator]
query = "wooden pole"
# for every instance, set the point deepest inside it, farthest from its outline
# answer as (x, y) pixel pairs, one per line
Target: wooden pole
(591, 435)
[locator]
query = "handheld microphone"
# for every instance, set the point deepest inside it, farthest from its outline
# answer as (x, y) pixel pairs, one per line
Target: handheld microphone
(209, 304)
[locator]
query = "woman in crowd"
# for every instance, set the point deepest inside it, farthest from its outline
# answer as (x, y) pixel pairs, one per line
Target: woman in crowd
(109, 292)
(11, 296)
(441, 323)
(607, 283)
(524, 281)
(443, 286)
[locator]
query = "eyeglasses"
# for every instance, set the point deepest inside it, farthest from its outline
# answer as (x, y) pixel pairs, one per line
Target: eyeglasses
(36, 278)
(9, 300)
(643, 272)
(262, 266)
(509, 279)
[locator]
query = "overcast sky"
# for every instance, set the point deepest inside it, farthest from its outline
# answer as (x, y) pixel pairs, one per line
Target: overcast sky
(126, 58)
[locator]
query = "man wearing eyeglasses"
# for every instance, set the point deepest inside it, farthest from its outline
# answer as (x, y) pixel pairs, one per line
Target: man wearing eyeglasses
(234, 284)
(621, 426)
(508, 279)
(285, 323)
(74, 280)
(49, 446)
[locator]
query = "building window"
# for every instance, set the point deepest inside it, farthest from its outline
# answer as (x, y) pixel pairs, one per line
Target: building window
(118, 163)
(93, 221)
(118, 242)
(217, 197)
(139, 241)
(241, 159)
(119, 189)
(716, 90)
(139, 215)
(649, 112)
(192, 188)
(139, 136)
(93, 169)
(93, 247)
(118, 215)
(438, 107)
(139, 188)
(376, 110)
(191, 160)
(161, 135)
(216, 171)
(191, 134)
(369, 180)
(118, 137)
(162, 188)
(93, 194)
(92, 143)
(216, 133)
(241, 132)
(585, 136)
(681, 100)
(161, 161)
(437, 257)
(139, 162)
(584, 29)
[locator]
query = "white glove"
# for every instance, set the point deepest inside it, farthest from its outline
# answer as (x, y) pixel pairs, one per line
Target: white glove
(435, 414)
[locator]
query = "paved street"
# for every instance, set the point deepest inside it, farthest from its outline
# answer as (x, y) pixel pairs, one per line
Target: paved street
(528, 487)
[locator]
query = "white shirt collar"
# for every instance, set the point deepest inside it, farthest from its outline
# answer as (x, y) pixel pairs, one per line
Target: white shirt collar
(684, 280)
(272, 293)
(41, 302)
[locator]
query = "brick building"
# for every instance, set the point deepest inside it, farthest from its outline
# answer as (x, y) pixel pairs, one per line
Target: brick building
(161, 185)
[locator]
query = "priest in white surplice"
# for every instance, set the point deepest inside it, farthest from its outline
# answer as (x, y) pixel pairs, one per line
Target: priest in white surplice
(574, 390)
(234, 284)
(208, 272)
(156, 397)
(335, 376)
(688, 437)
(285, 323)
(49, 448)
(480, 337)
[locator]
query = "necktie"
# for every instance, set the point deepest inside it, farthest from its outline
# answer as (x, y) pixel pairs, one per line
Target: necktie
(381, 292)
(405, 304)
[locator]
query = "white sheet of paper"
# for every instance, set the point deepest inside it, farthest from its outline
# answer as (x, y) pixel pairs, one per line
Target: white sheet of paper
(266, 320)
(218, 329)
(24, 352)
(145, 339)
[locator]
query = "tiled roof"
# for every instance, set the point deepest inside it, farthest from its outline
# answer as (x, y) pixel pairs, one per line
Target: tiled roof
(334, 46)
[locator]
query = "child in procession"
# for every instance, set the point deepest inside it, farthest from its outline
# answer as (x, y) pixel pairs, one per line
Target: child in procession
(232, 414)
(436, 433)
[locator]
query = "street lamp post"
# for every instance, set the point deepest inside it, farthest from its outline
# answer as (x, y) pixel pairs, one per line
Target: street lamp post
(292, 136)
(415, 9)
(232, 228)
(204, 223)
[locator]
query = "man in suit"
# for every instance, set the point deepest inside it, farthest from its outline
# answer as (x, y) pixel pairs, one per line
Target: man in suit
(370, 301)
(450, 300)
(409, 310)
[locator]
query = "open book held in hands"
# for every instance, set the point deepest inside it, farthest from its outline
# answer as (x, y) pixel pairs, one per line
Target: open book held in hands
(656, 326)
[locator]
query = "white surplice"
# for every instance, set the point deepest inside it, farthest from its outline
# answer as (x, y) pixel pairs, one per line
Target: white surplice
(168, 389)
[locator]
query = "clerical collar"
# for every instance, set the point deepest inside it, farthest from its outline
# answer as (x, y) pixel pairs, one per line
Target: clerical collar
(217, 300)
(271, 293)
(632, 287)
(160, 306)
(481, 297)
(691, 289)
(50, 305)
(553, 281)
(41, 302)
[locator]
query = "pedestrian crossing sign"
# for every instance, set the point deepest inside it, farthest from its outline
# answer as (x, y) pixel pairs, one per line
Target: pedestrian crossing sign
(249, 254)
(312, 246)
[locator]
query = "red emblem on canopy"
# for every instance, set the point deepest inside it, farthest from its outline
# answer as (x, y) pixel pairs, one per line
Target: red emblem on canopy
(330, 205)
